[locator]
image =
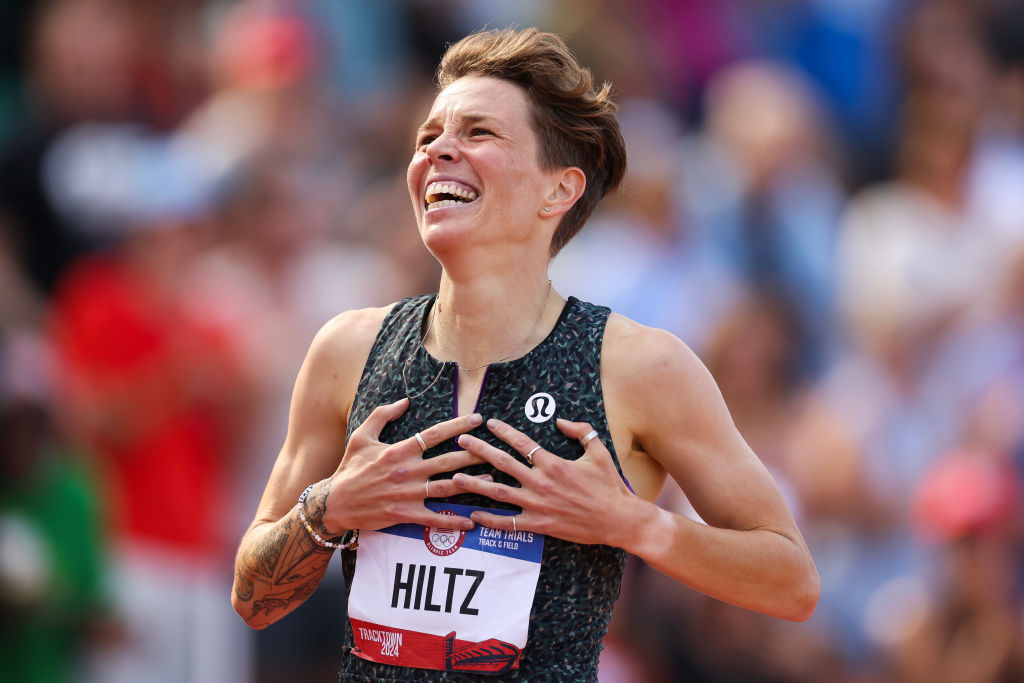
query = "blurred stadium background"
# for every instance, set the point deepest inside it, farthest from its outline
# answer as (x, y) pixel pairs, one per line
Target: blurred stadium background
(825, 200)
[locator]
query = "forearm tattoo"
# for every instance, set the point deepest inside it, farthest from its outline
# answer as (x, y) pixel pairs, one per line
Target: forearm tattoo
(279, 570)
(316, 506)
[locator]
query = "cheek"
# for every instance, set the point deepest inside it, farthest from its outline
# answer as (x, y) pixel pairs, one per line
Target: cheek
(413, 176)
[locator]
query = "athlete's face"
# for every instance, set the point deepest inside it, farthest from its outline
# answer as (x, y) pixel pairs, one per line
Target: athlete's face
(475, 177)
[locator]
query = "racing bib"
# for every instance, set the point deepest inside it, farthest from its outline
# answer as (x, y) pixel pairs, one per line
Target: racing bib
(439, 598)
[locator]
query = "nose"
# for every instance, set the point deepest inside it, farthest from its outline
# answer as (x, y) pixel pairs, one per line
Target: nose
(443, 148)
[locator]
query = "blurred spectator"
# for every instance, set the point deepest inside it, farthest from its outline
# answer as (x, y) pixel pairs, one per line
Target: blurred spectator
(81, 61)
(763, 189)
(971, 630)
(154, 395)
(52, 539)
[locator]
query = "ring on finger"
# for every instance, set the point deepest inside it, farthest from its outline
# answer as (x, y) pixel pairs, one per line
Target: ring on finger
(514, 528)
(426, 486)
(419, 439)
(590, 435)
(529, 456)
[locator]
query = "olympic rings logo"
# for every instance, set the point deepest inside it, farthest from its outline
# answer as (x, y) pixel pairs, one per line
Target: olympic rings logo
(443, 540)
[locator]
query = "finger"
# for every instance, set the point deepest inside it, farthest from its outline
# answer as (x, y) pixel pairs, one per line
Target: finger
(526, 446)
(579, 431)
(504, 522)
(445, 488)
(381, 415)
(495, 456)
(443, 431)
(436, 519)
(490, 489)
(456, 460)
(594, 449)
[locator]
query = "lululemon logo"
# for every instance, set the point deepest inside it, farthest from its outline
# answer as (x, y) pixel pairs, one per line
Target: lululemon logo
(540, 407)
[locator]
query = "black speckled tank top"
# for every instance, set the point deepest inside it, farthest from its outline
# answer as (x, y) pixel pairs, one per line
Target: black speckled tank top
(578, 584)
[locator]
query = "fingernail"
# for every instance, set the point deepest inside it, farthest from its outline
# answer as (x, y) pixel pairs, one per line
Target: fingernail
(486, 477)
(493, 424)
(475, 419)
(467, 525)
(465, 440)
(459, 479)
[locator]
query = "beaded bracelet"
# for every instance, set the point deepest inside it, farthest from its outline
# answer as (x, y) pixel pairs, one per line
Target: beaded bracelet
(350, 539)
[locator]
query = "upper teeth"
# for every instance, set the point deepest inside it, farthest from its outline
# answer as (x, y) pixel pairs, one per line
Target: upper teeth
(435, 189)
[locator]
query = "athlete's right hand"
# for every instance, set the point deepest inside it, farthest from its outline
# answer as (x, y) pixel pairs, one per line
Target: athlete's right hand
(379, 484)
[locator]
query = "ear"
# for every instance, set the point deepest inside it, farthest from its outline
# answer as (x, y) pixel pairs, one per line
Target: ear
(567, 187)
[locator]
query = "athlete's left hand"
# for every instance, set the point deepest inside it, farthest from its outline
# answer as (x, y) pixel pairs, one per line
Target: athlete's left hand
(583, 501)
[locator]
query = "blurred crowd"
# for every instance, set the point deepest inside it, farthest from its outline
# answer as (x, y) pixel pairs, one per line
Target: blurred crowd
(825, 200)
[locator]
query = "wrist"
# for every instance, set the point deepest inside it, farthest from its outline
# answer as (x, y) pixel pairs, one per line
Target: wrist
(322, 538)
(313, 504)
(648, 529)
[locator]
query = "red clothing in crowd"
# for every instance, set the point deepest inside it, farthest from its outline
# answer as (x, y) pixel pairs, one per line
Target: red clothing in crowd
(146, 384)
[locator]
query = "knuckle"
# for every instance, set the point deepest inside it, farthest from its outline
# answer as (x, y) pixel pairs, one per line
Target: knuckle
(559, 468)
(392, 508)
(398, 475)
(546, 487)
(521, 442)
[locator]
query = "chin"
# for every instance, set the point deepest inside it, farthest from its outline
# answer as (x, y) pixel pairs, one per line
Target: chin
(442, 237)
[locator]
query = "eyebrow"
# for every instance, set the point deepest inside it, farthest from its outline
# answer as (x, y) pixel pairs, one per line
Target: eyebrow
(468, 117)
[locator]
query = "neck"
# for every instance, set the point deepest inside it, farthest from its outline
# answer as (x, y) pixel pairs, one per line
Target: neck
(483, 320)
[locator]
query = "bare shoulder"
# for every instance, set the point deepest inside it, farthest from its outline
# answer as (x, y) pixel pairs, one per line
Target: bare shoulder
(348, 337)
(334, 363)
(635, 356)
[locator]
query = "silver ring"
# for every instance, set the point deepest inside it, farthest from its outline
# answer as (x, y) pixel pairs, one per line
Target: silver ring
(588, 437)
(514, 529)
(529, 456)
(423, 446)
(426, 487)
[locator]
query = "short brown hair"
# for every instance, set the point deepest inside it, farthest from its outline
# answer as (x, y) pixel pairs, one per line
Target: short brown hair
(575, 123)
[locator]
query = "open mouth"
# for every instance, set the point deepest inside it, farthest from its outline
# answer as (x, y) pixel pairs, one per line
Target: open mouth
(444, 194)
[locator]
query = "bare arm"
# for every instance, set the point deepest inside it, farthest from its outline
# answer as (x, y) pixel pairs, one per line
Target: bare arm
(278, 565)
(750, 554)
